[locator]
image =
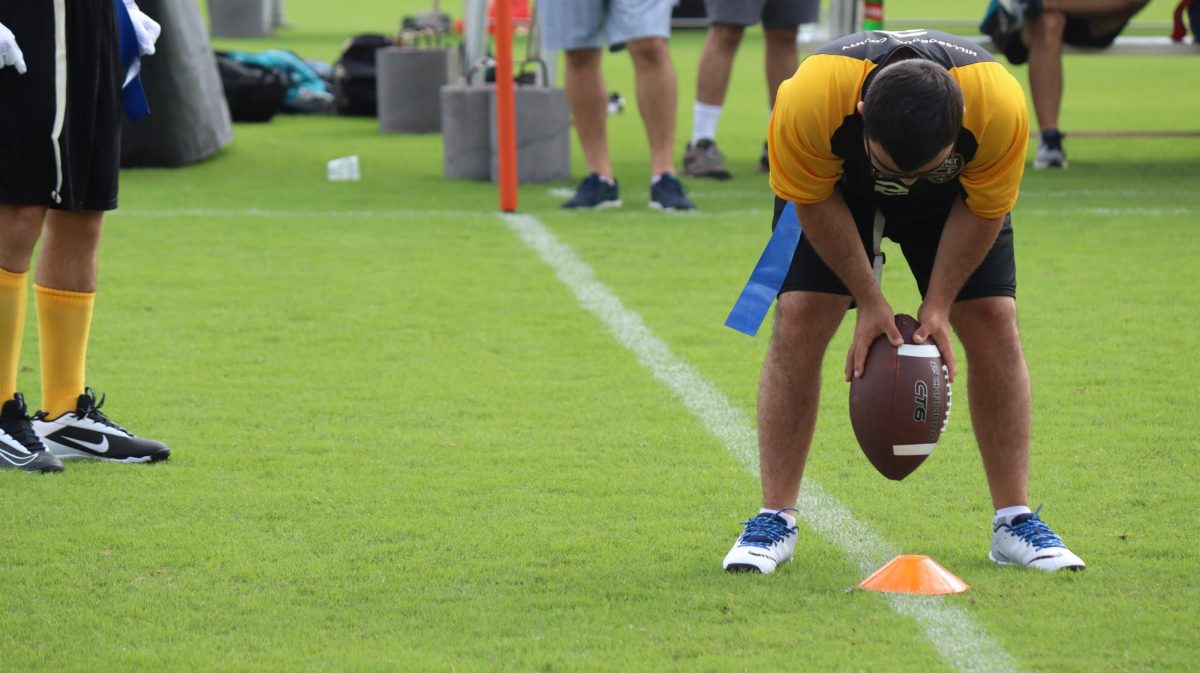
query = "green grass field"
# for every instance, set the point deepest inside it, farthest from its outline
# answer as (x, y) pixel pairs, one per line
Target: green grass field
(400, 443)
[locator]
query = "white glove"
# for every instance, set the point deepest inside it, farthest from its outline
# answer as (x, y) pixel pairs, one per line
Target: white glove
(10, 53)
(147, 29)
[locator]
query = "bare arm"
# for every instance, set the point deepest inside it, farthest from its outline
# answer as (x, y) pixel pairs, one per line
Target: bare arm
(965, 241)
(831, 230)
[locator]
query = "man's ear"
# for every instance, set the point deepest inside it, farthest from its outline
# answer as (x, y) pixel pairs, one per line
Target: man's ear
(860, 107)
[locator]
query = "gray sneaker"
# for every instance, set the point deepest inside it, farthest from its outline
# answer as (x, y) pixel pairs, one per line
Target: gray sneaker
(1050, 152)
(1050, 155)
(704, 160)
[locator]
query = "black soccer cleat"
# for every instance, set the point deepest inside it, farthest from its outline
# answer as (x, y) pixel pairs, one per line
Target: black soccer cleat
(88, 433)
(19, 445)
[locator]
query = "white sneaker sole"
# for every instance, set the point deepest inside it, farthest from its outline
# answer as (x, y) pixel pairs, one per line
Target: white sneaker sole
(71, 454)
(748, 562)
(1003, 561)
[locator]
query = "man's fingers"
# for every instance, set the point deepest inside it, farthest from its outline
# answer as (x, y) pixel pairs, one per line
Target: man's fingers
(860, 359)
(948, 357)
(893, 334)
(20, 63)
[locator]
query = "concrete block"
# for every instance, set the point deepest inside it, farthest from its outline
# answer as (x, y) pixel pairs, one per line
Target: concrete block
(543, 135)
(466, 141)
(408, 84)
(240, 18)
(469, 133)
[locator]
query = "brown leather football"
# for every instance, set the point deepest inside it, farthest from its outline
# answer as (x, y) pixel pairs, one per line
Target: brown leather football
(901, 404)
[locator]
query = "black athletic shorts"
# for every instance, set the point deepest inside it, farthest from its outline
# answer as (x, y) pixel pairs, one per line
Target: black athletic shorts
(1078, 31)
(74, 167)
(918, 239)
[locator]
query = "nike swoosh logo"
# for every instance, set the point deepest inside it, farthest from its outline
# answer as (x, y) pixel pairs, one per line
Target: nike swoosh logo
(14, 459)
(98, 447)
(19, 459)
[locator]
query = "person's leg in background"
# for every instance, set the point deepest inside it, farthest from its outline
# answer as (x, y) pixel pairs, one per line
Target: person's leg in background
(701, 158)
(644, 27)
(781, 20)
(578, 29)
(1044, 39)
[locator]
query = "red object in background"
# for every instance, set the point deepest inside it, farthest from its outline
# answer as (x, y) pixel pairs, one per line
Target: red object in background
(520, 14)
(506, 116)
(1179, 31)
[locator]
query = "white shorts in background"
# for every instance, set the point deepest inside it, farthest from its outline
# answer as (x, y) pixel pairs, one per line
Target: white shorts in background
(592, 24)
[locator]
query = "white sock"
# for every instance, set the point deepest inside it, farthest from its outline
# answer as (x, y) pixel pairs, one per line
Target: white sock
(705, 118)
(786, 516)
(607, 181)
(1005, 515)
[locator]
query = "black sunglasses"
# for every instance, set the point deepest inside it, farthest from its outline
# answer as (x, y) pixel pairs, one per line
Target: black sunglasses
(948, 170)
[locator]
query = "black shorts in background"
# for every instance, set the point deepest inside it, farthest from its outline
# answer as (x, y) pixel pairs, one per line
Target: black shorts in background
(918, 239)
(79, 171)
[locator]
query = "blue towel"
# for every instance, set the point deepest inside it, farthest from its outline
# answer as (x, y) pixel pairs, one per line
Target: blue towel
(133, 96)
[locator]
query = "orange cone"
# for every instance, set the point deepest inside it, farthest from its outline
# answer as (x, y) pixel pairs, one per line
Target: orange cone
(910, 574)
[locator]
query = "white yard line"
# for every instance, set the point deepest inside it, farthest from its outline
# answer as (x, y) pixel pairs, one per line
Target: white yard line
(951, 631)
(628, 212)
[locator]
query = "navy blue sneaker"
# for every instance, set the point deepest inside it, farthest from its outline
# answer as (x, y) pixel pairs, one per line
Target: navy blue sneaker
(595, 192)
(667, 194)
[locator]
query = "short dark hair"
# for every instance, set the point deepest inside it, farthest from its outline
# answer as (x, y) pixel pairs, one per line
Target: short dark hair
(913, 108)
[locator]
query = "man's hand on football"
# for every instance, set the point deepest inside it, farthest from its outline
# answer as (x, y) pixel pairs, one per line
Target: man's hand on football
(935, 326)
(10, 53)
(874, 318)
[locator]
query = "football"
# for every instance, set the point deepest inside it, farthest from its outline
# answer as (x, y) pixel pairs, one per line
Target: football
(899, 407)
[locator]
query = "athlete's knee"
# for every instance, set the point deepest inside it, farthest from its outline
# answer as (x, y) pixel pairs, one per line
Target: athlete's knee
(1049, 26)
(583, 59)
(995, 316)
(809, 314)
(77, 230)
(725, 36)
(20, 228)
(780, 38)
(649, 53)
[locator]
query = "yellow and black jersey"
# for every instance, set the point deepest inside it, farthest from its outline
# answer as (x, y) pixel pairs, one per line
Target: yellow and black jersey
(816, 135)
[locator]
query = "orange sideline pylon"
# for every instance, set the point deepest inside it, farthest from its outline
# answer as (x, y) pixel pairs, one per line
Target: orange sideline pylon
(913, 574)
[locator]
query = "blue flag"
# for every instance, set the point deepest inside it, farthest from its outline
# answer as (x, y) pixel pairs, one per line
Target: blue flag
(768, 275)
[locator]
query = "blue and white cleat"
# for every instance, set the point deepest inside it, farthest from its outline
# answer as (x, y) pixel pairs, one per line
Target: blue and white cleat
(1027, 541)
(765, 543)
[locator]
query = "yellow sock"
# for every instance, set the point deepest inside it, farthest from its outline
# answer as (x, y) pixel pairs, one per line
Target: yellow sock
(64, 319)
(14, 295)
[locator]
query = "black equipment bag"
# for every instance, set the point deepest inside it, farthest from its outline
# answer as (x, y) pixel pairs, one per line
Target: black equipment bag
(254, 94)
(354, 75)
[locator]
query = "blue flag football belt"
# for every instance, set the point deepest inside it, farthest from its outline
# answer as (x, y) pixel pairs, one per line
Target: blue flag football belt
(768, 275)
